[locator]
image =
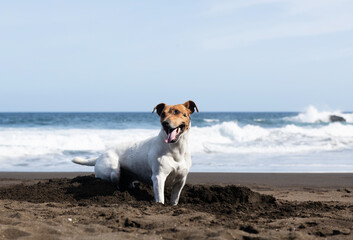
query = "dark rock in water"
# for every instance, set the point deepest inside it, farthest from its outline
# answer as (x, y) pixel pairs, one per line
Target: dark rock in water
(335, 118)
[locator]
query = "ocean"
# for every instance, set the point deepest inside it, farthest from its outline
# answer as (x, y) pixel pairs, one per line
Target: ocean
(219, 141)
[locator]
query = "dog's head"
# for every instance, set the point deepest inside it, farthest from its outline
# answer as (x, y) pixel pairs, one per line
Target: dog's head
(175, 119)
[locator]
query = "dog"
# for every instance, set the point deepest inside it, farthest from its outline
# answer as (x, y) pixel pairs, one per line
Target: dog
(163, 160)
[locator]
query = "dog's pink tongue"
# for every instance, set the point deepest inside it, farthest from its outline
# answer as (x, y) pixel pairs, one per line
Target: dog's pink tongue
(172, 135)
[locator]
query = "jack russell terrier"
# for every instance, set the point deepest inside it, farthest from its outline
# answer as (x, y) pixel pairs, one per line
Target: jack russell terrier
(163, 160)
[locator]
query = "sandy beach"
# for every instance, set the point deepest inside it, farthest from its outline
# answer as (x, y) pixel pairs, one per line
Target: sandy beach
(212, 206)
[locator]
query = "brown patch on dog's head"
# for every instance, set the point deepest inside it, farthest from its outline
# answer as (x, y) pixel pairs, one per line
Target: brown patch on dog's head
(175, 119)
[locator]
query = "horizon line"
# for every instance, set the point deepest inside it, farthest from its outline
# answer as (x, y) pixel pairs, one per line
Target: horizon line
(151, 112)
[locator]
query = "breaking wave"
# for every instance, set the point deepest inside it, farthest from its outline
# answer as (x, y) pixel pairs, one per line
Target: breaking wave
(313, 115)
(229, 137)
(38, 148)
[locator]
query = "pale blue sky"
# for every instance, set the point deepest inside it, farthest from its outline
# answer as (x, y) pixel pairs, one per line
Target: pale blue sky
(254, 55)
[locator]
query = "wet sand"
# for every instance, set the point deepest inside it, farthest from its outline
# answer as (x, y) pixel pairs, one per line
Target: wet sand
(212, 206)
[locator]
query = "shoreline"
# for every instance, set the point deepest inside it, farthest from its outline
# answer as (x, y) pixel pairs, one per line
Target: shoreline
(315, 180)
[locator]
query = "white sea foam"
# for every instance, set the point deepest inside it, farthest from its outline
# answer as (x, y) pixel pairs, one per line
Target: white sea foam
(210, 120)
(18, 142)
(313, 115)
(229, 137)
(259, 120)
(52, 149)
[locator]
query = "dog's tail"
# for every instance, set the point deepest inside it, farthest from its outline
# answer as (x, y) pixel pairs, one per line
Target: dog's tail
(84, 161)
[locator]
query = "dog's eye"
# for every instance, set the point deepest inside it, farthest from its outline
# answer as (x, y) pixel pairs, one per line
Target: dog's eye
(184, 114)
(176, 112)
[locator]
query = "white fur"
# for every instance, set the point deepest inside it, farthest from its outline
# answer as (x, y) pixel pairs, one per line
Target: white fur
(152, 161)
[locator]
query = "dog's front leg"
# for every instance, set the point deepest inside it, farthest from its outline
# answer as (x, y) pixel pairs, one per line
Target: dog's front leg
(176, 190)
(158, 187)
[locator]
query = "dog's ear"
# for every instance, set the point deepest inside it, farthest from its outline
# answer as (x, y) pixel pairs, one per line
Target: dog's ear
(159, 108)
(191, 106)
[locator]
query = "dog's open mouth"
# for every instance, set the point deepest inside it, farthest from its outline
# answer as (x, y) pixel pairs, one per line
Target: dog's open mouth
(173, 134)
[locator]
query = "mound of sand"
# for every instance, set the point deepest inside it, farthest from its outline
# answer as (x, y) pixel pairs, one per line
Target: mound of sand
(90, 190)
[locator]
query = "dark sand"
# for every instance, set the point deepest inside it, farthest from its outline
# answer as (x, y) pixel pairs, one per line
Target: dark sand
(212, 206)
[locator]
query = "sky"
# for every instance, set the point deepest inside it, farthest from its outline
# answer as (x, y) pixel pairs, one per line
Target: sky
(254, 55)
